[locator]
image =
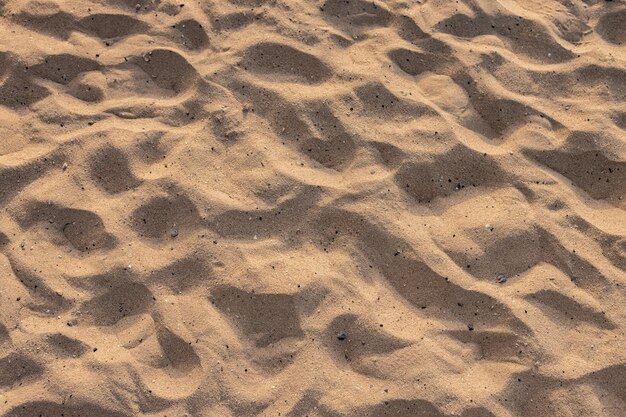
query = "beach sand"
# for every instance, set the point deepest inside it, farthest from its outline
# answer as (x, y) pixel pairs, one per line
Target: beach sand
(307, 208)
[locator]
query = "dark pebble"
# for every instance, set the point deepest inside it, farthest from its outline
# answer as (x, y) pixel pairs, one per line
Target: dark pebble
(174, 233)
(341, 336)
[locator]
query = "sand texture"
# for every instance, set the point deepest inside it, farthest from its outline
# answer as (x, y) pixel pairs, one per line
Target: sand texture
(301, 208)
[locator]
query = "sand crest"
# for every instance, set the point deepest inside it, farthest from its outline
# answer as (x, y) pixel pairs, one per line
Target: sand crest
(312, 208)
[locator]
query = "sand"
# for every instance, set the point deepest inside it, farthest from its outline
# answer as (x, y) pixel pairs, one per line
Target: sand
(305, 208)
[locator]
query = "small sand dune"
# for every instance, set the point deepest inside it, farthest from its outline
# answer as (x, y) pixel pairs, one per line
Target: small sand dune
(313, 208)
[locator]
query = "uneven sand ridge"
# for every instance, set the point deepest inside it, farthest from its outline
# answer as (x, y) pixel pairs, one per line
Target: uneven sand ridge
(301, 208)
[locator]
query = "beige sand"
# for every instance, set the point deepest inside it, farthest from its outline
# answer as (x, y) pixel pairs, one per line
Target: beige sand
(300, 208)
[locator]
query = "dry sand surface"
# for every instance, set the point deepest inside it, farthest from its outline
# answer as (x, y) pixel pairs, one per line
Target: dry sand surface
(301, 208)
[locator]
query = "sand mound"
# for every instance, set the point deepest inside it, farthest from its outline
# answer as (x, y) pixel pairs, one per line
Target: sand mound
(313, 208)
